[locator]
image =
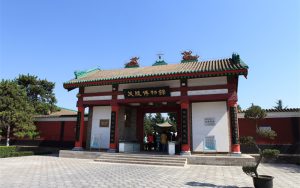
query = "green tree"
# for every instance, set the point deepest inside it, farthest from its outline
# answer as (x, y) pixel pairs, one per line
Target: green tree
(16, 112)
(158, 118)
(172, 118)
(148, 124)
(279, 105)
(256, 113)
(239, 108)
(39, 92)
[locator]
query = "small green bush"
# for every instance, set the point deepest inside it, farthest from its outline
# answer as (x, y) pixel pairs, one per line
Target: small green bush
(270, 153)
(11, 151)
(249, 170)
(7, 149)
(25, 153)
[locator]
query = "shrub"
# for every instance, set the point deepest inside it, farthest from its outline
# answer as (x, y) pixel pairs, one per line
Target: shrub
(249, 170)
(25, 153)
(6, 150)
(270, 153)
(11, 151)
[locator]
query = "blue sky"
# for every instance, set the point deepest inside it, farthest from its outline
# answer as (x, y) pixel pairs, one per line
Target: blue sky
(52, 39)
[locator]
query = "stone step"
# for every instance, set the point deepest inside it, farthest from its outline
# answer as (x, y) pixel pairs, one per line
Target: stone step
(142, 159)
(145, 159)
(178, 164)
(144, 156)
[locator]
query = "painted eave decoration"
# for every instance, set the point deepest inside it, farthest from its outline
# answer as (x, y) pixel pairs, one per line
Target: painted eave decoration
(132, 73)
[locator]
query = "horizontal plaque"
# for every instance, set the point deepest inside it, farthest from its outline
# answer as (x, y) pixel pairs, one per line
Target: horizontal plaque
(147, 92)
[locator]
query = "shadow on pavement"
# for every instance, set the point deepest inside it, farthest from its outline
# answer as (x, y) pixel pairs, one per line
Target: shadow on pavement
(199, 184)
(289, 168)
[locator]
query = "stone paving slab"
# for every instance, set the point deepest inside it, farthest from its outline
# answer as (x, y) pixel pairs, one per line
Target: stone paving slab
(48, 171)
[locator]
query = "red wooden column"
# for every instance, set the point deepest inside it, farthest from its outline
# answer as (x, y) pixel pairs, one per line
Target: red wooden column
(232, 105)
(114, 130)
(140, 125)
(185, 128)
(235, 145)
(80, 122)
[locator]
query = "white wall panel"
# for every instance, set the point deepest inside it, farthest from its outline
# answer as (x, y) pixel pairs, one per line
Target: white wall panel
(95, 89)
(101, 112)
(207, 92)
(95, 98)
(175, 93)
(217, 111)
(207, 81)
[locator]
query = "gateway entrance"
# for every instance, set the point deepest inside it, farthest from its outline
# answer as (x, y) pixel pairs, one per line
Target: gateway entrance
(203, 94)
(148, 128)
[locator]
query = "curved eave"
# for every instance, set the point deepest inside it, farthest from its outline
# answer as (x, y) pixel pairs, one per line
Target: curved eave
(83, 83)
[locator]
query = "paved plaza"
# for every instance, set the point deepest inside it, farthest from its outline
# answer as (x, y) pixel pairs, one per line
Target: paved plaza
(48, 171)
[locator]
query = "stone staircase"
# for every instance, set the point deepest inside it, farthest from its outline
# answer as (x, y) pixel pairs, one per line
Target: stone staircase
(145, 159)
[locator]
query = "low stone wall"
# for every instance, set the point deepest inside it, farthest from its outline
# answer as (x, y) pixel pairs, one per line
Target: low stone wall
(282, 158)
(224, 160)
(283, 148)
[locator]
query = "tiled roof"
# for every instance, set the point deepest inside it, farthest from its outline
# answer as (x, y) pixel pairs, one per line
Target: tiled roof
(62, 112)
(284, 110)
(205, 68)
(279, 110)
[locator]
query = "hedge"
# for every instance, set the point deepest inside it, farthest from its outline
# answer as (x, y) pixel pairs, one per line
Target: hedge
(8, 149)
(11, 151)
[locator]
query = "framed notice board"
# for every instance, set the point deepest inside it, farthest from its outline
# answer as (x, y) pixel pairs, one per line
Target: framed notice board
(104, 123)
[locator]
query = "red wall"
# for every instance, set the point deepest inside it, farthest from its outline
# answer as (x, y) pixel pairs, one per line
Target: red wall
(69, 131)
(282, 126)
(51, 130)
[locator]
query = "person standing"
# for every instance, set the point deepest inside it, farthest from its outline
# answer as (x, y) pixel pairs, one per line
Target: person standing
(146, 143)
(163, 141)
(150, 142)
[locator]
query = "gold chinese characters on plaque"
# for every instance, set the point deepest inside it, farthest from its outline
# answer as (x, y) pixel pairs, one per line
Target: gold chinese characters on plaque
(147, 92)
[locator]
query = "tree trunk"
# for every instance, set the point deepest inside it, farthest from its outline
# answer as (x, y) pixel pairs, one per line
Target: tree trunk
(7, 135)
(259, 160)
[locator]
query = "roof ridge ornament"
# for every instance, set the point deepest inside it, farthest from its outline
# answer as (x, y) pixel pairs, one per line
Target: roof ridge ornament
(80, 74)
(236, 58)
(133, 63)
(188, 57)
(160, 61)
